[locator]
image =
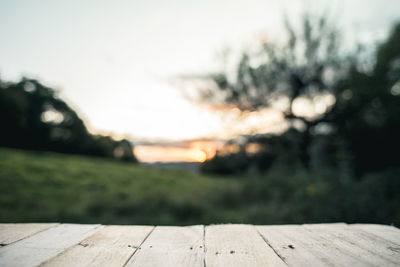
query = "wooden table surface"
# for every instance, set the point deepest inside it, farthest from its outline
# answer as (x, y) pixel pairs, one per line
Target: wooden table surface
(225, 245)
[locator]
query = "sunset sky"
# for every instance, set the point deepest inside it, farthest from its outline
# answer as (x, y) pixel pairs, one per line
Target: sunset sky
(113, 61)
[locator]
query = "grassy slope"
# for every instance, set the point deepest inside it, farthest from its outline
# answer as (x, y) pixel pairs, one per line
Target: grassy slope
(42, 186)
(45, 187)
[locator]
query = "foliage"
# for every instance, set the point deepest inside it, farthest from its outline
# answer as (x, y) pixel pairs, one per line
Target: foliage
(49, 187)
(33, 117)
(305, 65)
(255, 154)
(361, 127)
(367, 107)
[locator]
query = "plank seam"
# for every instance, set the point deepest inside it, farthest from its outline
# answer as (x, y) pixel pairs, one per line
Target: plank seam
(204, 245)
(4, 245)
(266, 241)
(97, 228)
(139, 247)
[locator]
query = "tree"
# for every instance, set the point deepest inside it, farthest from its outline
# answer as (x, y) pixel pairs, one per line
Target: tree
(33, 117)
(367, 108)
(306, 66)
(361, 127)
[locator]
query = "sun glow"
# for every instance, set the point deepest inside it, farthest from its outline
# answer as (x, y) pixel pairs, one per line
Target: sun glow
(198, 155)
(192, 151)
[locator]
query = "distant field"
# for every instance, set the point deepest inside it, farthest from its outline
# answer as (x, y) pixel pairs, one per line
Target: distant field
(49, 187)
(45, 187)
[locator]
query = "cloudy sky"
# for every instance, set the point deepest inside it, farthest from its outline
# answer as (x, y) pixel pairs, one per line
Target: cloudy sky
(113, 60)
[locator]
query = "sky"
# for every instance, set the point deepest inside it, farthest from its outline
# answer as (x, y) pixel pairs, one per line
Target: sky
(113, 61)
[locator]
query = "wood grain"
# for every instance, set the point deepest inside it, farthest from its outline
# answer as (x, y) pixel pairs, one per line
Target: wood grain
(11, 232)
(171, 246)
(216, 245)
(299, 246)
(238, 245)
(110, 246)
(364, 246)
(387, 232)
(37, 249)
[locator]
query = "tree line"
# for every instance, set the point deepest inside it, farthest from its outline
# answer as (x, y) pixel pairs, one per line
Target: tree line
(33, 117)
(357, 132)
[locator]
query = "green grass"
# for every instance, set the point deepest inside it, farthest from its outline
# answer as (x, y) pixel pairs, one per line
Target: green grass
(51, 187)
(45, 187)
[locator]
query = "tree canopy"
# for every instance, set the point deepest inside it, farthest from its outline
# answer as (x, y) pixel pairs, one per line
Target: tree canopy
(33, 117)
(359, 124)
(307, 64)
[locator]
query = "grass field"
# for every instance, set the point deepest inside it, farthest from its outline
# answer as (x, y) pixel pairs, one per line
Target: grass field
(43, 186)
(51, 187)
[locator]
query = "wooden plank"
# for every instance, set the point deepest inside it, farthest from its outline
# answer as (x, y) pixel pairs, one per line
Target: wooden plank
(171, 246)
(238, 245)
(387, 232)
(39, 248)
(298, 246)
(110, 246)
(11, 232)
(374, 250)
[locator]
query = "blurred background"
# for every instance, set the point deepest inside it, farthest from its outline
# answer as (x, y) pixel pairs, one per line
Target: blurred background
(199, 112)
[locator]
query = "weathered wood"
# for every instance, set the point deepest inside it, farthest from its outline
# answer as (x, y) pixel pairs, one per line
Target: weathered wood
(11, 232)
(217, 245)
(110, 246)
(44, 245)
(387, 232)
(238, 245)
(171, 246)
(298, 246)
(366, 247)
